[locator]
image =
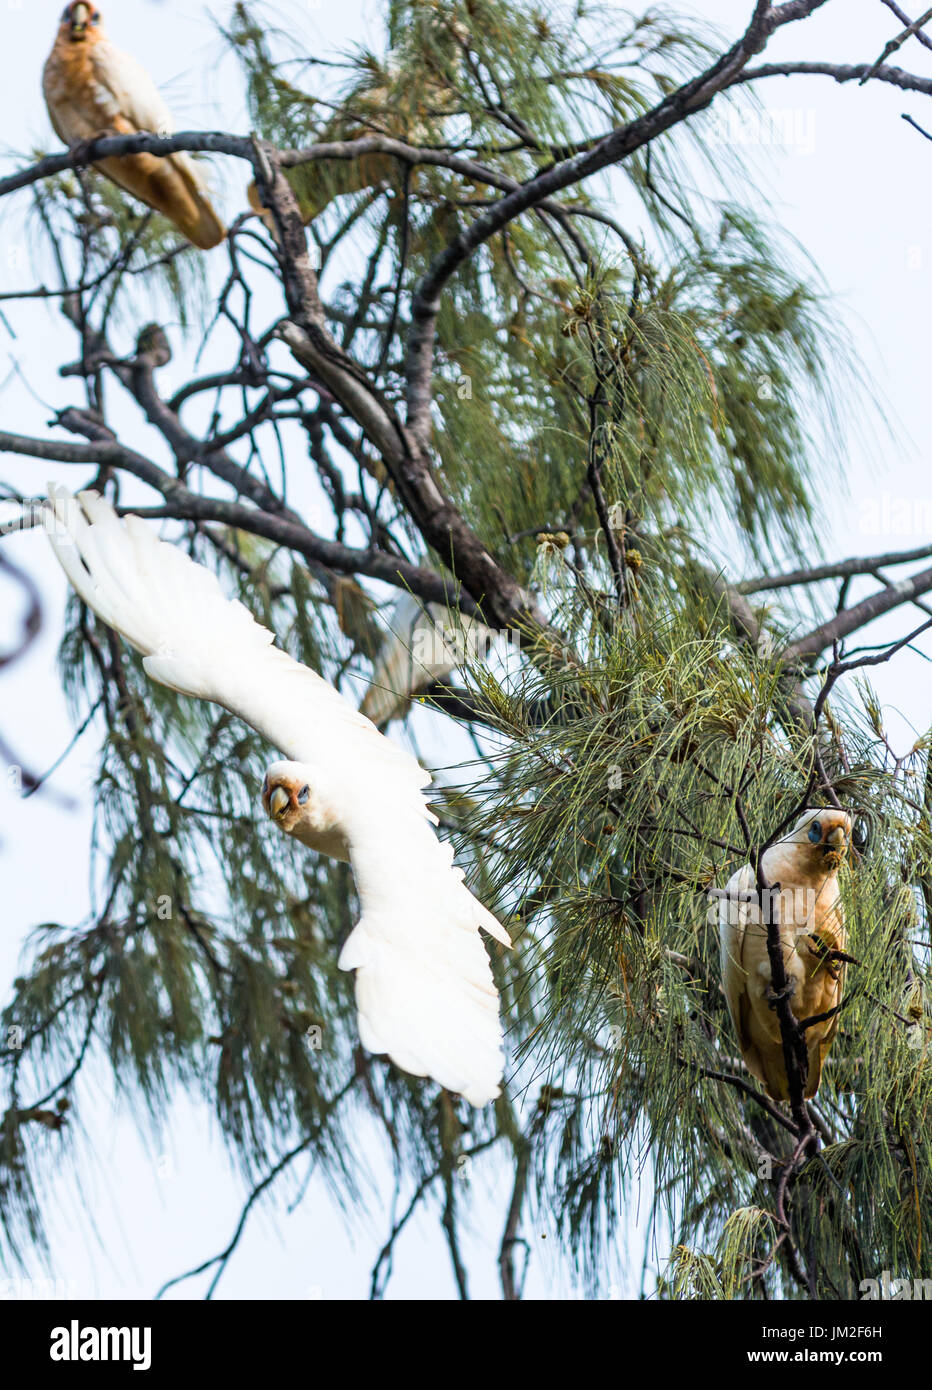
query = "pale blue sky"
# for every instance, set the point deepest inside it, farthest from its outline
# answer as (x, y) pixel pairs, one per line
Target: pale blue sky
(851, 184)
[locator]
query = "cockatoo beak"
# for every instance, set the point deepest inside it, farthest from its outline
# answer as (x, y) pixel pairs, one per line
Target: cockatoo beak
(279, 802)
(836, 837)
(80, 16)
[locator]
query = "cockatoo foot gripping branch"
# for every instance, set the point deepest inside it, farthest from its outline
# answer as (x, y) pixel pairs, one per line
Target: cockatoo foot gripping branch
(424, 987)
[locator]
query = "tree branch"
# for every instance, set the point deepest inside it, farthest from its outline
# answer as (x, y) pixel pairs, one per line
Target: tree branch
(182, 504)
(689, 98)
(859, 615)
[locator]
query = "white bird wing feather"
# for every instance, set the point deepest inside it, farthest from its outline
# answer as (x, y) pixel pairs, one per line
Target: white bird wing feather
(424, 985)
(733, 917)
(135, 97)
(133, 93)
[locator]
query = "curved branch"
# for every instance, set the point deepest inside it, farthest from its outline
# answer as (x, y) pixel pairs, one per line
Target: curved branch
(840, 72)
(32, 619)
(859, 615)
(839, 569)
(689, 98)
(504, 601)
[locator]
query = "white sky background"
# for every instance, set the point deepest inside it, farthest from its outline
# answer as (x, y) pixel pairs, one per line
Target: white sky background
(852, 186)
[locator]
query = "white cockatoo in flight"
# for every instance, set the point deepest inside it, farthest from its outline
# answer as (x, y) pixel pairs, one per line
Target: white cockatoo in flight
(424, 988)
(92, 88)
(806, 907)
(424, 643)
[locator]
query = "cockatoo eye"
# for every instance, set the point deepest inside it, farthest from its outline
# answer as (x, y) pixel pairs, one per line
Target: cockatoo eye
(815, 831)
(303, 795)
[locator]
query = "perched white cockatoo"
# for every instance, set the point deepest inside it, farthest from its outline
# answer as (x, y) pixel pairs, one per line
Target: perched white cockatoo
(808, 910)
(92, 88)
(423, 644)
(424, 987)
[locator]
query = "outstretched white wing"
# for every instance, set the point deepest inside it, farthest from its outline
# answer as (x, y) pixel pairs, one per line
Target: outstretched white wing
(424, 986)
